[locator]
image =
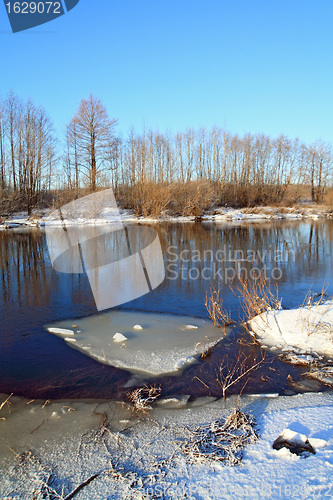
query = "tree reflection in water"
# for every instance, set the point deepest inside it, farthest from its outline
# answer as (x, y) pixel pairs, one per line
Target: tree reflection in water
(37, 364)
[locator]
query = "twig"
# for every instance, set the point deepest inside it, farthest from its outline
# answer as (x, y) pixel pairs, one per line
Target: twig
(40, 425)
(85, 483)
(6, 401)
(203, 383)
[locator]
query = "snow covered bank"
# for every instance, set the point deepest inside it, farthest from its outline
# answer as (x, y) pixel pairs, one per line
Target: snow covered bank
(113, 453)
(222, 214)
(304, 336)
(269, 213)
(148, 343)
(305, 331)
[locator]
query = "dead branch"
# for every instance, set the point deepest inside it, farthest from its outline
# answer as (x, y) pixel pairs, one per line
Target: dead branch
(230, 374)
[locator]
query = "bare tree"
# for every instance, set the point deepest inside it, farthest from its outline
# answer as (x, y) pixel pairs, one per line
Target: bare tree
(91, 134)
(319, 167)
(2, 147)
(72, 155)
(35, 151)
(13, 111)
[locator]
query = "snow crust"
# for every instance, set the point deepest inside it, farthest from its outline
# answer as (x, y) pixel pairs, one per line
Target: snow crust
(66, 437)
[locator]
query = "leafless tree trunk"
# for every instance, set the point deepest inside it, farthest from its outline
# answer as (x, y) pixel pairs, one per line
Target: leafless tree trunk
(91, 136)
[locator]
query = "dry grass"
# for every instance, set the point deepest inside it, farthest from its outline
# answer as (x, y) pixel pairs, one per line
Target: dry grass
(257, 297)
(328, 199)
(143, 397)
(222, 440)
(176, 198)
(312, 301)
(258, 210)
(152, 199)
(11, 202)
(194, 198)
(6, 402)
(214, 305)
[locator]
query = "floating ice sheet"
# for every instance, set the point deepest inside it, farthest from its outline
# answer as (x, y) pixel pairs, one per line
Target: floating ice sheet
(164, 345)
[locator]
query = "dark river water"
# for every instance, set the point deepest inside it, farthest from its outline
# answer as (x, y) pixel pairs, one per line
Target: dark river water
(36, 364)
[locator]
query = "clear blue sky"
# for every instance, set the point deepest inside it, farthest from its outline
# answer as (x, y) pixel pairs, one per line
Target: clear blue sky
(246, 65)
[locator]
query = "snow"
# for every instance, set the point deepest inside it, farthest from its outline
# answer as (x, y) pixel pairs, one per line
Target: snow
(285, 454)
(145, 455)
(262, 213)
(306, 331)
(296, 437)
(60, 331)
(119, 337)
(164, 345)
(112, 215)
(137, 327)
(184, 361)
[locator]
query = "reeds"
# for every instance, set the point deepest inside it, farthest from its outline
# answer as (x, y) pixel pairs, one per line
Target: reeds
(257, 297)
(214, 305)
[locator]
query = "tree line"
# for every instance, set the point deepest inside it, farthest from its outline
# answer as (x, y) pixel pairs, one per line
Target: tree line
(237, 170)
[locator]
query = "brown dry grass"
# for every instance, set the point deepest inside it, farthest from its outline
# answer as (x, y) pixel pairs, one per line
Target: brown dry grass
(328, 198)
(214, 305)
(257, 297)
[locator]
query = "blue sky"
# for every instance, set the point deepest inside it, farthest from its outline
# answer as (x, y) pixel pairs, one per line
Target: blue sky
(246, 65)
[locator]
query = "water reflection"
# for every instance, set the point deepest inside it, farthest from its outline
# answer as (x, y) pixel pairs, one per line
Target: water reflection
(121, 263)
(33, 294)
(22, 268)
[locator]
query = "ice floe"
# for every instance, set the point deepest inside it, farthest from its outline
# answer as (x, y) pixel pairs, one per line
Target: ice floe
(61, 331)
(164, 345)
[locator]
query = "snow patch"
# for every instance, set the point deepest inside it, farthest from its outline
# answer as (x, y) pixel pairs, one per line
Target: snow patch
(305, 331)
(119, 337)
(61, 331)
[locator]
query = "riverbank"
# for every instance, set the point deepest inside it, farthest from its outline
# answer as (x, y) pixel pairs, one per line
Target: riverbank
(39, 218)
(90, 449)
